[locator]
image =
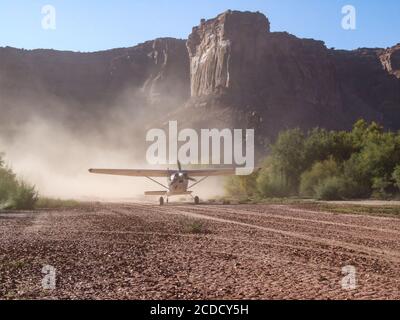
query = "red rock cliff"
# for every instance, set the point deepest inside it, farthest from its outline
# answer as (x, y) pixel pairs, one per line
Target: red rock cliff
(276, 80)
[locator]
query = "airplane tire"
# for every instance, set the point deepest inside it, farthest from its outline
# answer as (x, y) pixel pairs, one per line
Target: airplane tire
(161, 201)
(196, 200)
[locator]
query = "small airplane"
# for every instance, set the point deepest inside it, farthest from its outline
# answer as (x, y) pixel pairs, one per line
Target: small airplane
(178, 180)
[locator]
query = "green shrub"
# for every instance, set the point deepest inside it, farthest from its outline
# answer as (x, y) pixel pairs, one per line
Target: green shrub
(329, 189)
(242, 186)
(318, 173)
(24, 197)
(271, 184)
(233, 187)
(382, 188)
(350, 189)
(396, 176)
(194, 226)
(8, 184)
(14, 193)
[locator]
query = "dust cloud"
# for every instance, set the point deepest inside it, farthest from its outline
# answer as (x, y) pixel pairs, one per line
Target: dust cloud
(52, 144)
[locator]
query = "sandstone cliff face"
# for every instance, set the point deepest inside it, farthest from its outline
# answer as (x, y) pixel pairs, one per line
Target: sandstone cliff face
(390, 59)
(221, 49)
(366, 85)
(231, 72)
(159, 68)
(273, 81)
(91, 83)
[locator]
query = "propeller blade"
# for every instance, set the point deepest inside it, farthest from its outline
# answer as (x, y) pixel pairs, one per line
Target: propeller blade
(191, 179)
(179, 166)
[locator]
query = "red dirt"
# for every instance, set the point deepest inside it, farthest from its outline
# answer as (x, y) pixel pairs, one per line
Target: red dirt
(139, 251)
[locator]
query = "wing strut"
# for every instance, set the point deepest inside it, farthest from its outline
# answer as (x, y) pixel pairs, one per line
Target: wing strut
(202, 179)
(157, 182)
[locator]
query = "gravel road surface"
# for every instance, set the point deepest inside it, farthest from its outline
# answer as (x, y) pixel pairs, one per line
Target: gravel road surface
(182, 251)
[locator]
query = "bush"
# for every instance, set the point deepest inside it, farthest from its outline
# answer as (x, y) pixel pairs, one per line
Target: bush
(396, 176)
(358, 178)
(383, 188)
(24, 197)
(270, 185)
(8, 184)
(242, 186)
(329, 189)
(311, 179)
(50, 203)
(350, 189)
(14, 193)
(234, 187)
(272, 182)
(193, 226)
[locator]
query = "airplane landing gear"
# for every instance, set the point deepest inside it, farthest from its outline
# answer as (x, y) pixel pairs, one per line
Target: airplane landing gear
(196, 200)
(161, 201)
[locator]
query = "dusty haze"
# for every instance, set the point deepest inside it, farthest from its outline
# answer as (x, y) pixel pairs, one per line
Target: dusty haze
(53, 152)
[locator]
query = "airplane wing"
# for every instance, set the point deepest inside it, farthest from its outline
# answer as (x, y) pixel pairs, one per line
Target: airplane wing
(133, 172)
(211, 172)
(165, 173)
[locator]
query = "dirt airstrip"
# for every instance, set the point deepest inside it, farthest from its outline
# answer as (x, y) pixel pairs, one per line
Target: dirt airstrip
(182, 251)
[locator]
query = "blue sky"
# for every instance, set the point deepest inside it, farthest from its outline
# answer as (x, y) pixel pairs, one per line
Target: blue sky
(91, 25)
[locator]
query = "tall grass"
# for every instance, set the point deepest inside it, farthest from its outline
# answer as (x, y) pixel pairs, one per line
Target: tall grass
(51, 203)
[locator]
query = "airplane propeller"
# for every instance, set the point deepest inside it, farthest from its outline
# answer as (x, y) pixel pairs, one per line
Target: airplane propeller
(186, 176)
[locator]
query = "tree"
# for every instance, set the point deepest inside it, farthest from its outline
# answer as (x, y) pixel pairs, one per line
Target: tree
(289, 157)
(7, 181)
(396, 176)
(331, 164)
(321, 144)
(270, 181)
